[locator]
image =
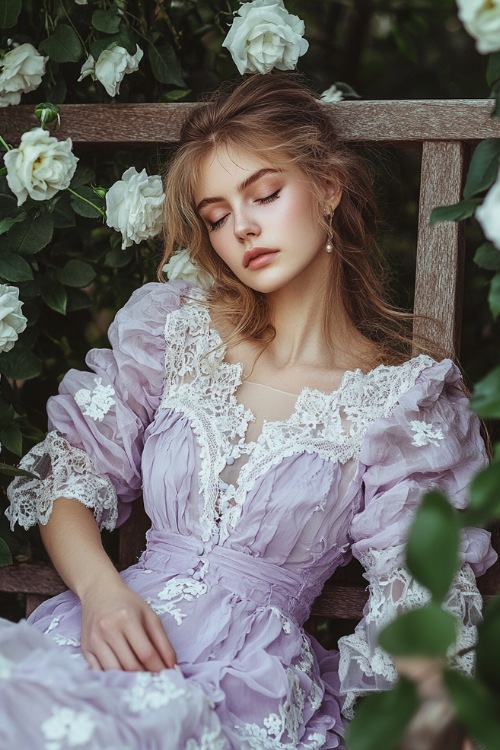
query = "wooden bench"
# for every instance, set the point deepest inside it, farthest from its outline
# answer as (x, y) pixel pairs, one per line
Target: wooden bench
(445, 130)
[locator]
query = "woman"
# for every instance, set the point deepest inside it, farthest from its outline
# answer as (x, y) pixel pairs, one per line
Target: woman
(276, 427)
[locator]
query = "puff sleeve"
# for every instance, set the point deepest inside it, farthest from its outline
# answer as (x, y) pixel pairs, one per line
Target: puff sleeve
(431, 440)
(92, 452)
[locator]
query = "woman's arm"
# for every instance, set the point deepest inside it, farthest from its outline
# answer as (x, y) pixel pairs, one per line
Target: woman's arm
(119, 630)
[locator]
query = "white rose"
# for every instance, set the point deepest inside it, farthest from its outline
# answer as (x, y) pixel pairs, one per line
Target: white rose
(12, 321)
(81, 2)
(134, 206)
(21, 70)
(264, 36)
(111, 67)
(40, 166)
(333, 94)
(180, 266)
(481, 18)
(488, 214)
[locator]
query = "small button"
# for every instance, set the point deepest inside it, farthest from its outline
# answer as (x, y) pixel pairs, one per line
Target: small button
(230, 461)
(190, 571)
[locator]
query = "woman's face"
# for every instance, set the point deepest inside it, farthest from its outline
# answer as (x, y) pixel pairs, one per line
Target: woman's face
(262, 219)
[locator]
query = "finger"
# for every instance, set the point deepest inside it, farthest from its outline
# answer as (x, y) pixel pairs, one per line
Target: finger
(160, 641)
(125, 655)
(104, 654)
(91, 660)
(146, 651)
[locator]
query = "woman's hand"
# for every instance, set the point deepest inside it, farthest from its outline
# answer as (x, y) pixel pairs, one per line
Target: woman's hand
(121, 631)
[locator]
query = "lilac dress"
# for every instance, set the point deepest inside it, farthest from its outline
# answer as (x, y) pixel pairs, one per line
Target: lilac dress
(232, 567)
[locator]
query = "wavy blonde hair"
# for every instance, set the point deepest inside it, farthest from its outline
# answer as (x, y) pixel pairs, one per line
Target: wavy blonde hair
(280, 119)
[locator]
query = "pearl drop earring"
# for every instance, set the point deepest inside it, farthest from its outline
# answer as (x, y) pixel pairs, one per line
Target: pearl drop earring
(329, 244)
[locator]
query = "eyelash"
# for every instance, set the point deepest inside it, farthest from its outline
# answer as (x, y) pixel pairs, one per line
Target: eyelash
(213, 226)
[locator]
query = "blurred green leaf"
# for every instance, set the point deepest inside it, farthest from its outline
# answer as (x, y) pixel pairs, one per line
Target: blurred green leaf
(9, 221)
(455, 212)
(429, 631)
(54, 294)
(107, 21)
(432, 549)
(475, 708)
(14, 268)
(78, 300)
(381, 719)
(494, 296)
(76, 273)
(487, 650)
(7, 413)
(63, 45)
(20, 364)
(63, 215)
(485, 399)
(165, 65)
(493, 70)
(483, 167)
(487, 256)
(484, 496)
(11, 438)
(119, 258)
(9, 13)
(81, 203)
(13, 471)
(30, 235)
(5, 556)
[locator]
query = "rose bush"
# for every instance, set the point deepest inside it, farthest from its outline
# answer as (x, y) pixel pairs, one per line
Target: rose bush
(134, 206)
(21, 71)
(111, 67)
(40, 166)
(12, 321)
(263, 36)
(481, 18)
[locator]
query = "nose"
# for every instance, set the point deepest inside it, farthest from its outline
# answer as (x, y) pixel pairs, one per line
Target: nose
(245, 225)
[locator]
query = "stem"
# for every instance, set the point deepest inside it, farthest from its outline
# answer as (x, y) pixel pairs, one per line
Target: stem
(73, 26)
(5, 144)
(86, 200)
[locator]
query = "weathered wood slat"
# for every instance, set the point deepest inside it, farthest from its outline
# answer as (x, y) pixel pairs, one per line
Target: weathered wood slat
(31, 578)
(440, 248)
(159, 124)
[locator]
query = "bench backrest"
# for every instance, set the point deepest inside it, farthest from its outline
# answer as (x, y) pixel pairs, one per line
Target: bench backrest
(445, 130)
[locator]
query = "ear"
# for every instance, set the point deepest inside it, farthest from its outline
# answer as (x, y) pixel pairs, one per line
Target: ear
(333, 195)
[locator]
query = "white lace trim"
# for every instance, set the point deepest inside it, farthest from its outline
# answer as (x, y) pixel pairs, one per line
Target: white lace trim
(389, 596)
(203, 386)
(97, 402)
(62, 471)
(173, 593)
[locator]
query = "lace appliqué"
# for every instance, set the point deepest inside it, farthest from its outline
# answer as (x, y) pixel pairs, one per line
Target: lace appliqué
(286, 625)
(152, 691)
(97, 402)
(363, 662)
(67, 728)
(203, 386)
(173, 593)
(209, 740)
(62, 471)
(424, 433)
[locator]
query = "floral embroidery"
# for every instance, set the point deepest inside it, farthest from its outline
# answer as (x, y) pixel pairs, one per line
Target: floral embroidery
(5, 667)
(425, 433)
(67, 728)
(174, 592)
(152, 691)
(63, 640)
(97, 402)
(210, 740)
(53, 624)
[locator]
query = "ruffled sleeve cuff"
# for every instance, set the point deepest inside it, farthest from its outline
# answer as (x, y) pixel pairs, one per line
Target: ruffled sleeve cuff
(62, 471)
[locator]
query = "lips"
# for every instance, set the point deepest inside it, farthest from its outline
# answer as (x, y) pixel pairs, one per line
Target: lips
(256, 252)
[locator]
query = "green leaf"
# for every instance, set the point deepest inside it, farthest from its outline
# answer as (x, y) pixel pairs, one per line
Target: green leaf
(82, 207)
(495, 93)
(174, 96)
(5, 556)
(30, 235)
(483, 168)
(455, 212)
(123, 39)
(107, 21)
(20, 364)
(484, 496)
(428, 631)
(63, 45)
(487, 256)
(54, 294)
(13, 471)
(475, 708)
(381, 719)
(9, 221)
(487, 651)
(432, 549)
(119, 258)
(78, 300)
(83, 176)
(493, 71)
(494, 296)
(165, 65)
(11, 438)
(485, 399)
(63, 215)
(76, 273)
(9, 13)
(14, 268)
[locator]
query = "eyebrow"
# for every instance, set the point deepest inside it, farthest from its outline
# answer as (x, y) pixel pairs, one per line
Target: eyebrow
(241, 187)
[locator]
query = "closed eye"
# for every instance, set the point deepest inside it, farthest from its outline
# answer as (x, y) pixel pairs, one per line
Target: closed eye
(269, 198)
(213, 225)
